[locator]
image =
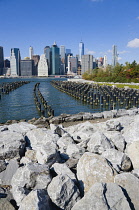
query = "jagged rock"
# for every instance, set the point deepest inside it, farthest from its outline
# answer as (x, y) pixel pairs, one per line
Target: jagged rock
(30, 156)
(93, 168)
(2, 165)
(74, 117)
(113, 125)
(57, 129)
(63, 192)
(103, 196)
(135, 172)
(5, 204)
(117, 139)
(43, 141)
(3, 128)
(12, 144)
(72, 163)
(132, 111)
(99, 143)
(121, 112)
(108, 114)
(130, 131)
(56, 120)
(31, 176)
(62, 169)
(6, 175)
(130, 184)
(74, 151)
(21, 127)
(87, 116)
(117, 159)
(133, 153)
(41, 121)
(97, 115)
(36, 199)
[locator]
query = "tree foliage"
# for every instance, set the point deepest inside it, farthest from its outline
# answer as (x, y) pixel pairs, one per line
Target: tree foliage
(119, 73)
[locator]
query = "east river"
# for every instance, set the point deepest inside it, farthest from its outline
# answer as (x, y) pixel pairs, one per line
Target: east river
(19, 104)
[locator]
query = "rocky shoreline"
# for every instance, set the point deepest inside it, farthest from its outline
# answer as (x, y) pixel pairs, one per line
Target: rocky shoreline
(83, 161)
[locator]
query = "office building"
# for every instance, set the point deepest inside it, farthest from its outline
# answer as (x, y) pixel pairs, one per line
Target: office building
(87, 63)
(105, 63)
(15, 62)
(1, 60)
(36, 59)
(27, 67)
(72, 65)
(114, 55)
(55, 59)
(31, 52)
(47, 52)
(81, 50)
(63, 59)
(43, 66)
(6, 63)
(68, 51)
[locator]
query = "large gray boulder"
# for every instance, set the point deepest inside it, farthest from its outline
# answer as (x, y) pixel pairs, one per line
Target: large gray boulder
(43, 141)
(75, 151)
(12, 144)
(133, 153)
(5, 204)
(103, 196)
(63, 192)
(98, 143)
(130, 184)
(93, 168)
(6, 175)
(2, 165)
(117, 159)
(62, 169)
(31, 176)
(113, 125)
(21, 127)
(36, 200)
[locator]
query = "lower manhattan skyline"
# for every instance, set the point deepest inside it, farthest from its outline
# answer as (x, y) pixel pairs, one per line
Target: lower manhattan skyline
(100, 24)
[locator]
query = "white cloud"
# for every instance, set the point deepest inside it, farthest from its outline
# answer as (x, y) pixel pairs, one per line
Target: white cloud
(7, 58)
(133, 43)
(119, 58)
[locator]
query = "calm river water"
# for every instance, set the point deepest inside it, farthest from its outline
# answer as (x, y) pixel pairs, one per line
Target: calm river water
(19, 104)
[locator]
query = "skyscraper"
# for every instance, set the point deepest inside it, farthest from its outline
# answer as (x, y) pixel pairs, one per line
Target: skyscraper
(105, 63)
(55, 60)
(1, 60)
(15, 62)
(87, 63)
(114, 55)
(63, 60)
(47, 52)
(81, 50)
(27, 67)
(31, 52)
(72, 65)
(43, 66)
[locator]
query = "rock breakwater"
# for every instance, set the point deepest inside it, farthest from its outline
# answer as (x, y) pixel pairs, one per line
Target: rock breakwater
(84, 166)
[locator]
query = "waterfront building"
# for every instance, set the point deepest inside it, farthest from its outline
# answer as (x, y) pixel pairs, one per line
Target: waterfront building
(87, 63)
(72, 65)
(114, 55)
(6, 63)
(31, 52)
(62, 58)
(47, 52)
(36, 59)
(81, 50)
(55, 59)
(43, 66)
(105, 63)
(68, 51)
(15, 62)
(27, 66)
(6, 71)
(1, 60)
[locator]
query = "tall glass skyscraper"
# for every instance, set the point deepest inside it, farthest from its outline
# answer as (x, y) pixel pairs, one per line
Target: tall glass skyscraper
(31, 52)
(81, 50)
(15, 62)
(55, 59)
(63, 59)
(1, 60)
(114, 55)
(47, 52)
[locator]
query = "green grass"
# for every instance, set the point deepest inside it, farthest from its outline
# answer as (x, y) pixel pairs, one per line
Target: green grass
(120, 85)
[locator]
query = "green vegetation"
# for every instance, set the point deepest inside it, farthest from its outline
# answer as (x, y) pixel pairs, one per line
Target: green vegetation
(121, 85)
(120, 73)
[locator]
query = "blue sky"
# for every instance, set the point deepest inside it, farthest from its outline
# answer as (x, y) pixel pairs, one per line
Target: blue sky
(99, 23)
